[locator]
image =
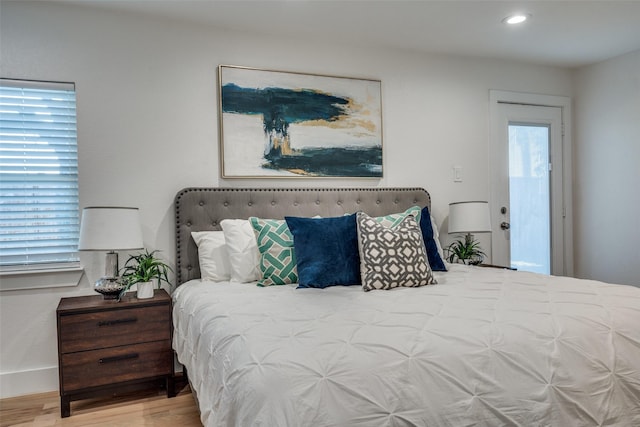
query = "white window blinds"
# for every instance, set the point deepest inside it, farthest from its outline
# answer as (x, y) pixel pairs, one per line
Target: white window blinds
(39, 217)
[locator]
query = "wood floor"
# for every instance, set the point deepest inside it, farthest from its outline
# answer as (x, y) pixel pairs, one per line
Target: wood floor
(150, 408)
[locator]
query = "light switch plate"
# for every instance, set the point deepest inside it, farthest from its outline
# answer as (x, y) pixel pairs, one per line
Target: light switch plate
(457, 174)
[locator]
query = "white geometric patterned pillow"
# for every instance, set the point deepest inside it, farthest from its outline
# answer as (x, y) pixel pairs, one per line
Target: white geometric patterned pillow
(277, 258)
(392, 257)
(392, 220)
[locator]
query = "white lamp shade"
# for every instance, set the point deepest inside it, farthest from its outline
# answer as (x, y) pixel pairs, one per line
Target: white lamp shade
(469, 217)
(110, 229)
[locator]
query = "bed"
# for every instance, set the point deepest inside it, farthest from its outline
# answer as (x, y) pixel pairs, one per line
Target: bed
(482, 347)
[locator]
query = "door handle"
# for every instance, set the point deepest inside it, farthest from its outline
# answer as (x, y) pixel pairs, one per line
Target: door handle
(505, 225)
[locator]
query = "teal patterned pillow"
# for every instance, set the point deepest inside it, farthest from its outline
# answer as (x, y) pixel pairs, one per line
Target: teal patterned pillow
(392, 220)
(277, 258)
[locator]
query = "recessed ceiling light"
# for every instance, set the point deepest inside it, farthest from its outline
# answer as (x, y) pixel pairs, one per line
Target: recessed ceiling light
(516, 18)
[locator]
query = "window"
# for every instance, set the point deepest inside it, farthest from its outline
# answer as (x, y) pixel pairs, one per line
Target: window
(39, 216)
(530, 196)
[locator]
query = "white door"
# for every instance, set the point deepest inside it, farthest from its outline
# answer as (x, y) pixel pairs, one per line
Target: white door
(527, 187)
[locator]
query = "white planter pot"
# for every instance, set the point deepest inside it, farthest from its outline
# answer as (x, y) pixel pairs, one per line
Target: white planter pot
(145, 290)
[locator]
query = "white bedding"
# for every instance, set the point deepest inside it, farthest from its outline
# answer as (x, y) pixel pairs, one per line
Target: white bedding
(484, 347)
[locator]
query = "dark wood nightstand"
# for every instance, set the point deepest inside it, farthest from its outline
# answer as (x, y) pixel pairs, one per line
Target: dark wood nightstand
(105, 346)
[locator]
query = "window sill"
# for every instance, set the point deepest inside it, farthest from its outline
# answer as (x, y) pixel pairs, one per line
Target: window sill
(40, 279)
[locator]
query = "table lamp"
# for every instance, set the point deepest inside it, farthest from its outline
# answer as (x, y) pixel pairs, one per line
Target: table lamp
(467, 218)
(110, 229)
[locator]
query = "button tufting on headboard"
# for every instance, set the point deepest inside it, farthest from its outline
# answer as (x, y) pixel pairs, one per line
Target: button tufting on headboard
(202, 209)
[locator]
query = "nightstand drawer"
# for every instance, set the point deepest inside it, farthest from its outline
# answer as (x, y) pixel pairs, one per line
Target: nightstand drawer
(112, 365)
(87, 331)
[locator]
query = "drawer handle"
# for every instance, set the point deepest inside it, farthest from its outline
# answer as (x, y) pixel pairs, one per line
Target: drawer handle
(118, 321)
(118, 358)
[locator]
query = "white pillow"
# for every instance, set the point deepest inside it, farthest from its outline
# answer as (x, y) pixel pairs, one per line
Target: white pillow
(436, 237)
(213, 256)
(242, 248)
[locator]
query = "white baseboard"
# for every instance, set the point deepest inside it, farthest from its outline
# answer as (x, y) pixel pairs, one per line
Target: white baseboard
(21, 383)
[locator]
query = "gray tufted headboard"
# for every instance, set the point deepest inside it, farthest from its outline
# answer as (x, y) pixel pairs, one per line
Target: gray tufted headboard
(202, 209)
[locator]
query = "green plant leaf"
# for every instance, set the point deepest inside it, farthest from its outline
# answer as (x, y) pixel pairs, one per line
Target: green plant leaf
(145, 267)
(468, 251)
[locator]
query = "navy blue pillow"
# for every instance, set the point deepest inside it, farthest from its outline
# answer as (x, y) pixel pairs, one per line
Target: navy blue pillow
(435, 261)
(326, 250)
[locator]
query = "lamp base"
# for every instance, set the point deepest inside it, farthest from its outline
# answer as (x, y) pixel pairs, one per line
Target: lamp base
(109, 287)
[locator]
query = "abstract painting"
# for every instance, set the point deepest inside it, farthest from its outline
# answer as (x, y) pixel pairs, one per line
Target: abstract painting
(276, 124)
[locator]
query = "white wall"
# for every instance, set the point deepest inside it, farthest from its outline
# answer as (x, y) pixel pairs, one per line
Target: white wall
(147, 127)
(607, 170)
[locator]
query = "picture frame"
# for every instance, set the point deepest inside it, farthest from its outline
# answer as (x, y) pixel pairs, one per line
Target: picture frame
(279, 124)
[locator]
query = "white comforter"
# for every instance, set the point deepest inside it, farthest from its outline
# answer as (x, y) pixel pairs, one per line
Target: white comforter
(484, 347)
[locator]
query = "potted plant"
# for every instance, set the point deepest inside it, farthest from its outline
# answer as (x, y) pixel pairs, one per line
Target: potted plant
(143, 269)
(467, 251)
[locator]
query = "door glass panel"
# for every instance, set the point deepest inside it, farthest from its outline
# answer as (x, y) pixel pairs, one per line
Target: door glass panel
(529, 193)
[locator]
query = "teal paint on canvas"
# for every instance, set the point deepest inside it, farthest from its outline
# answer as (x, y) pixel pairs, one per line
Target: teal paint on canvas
(309, 125)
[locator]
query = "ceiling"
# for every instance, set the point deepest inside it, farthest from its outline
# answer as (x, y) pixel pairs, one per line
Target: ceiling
(560, 33)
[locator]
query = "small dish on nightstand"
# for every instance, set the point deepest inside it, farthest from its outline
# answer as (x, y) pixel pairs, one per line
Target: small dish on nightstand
(109, 287)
